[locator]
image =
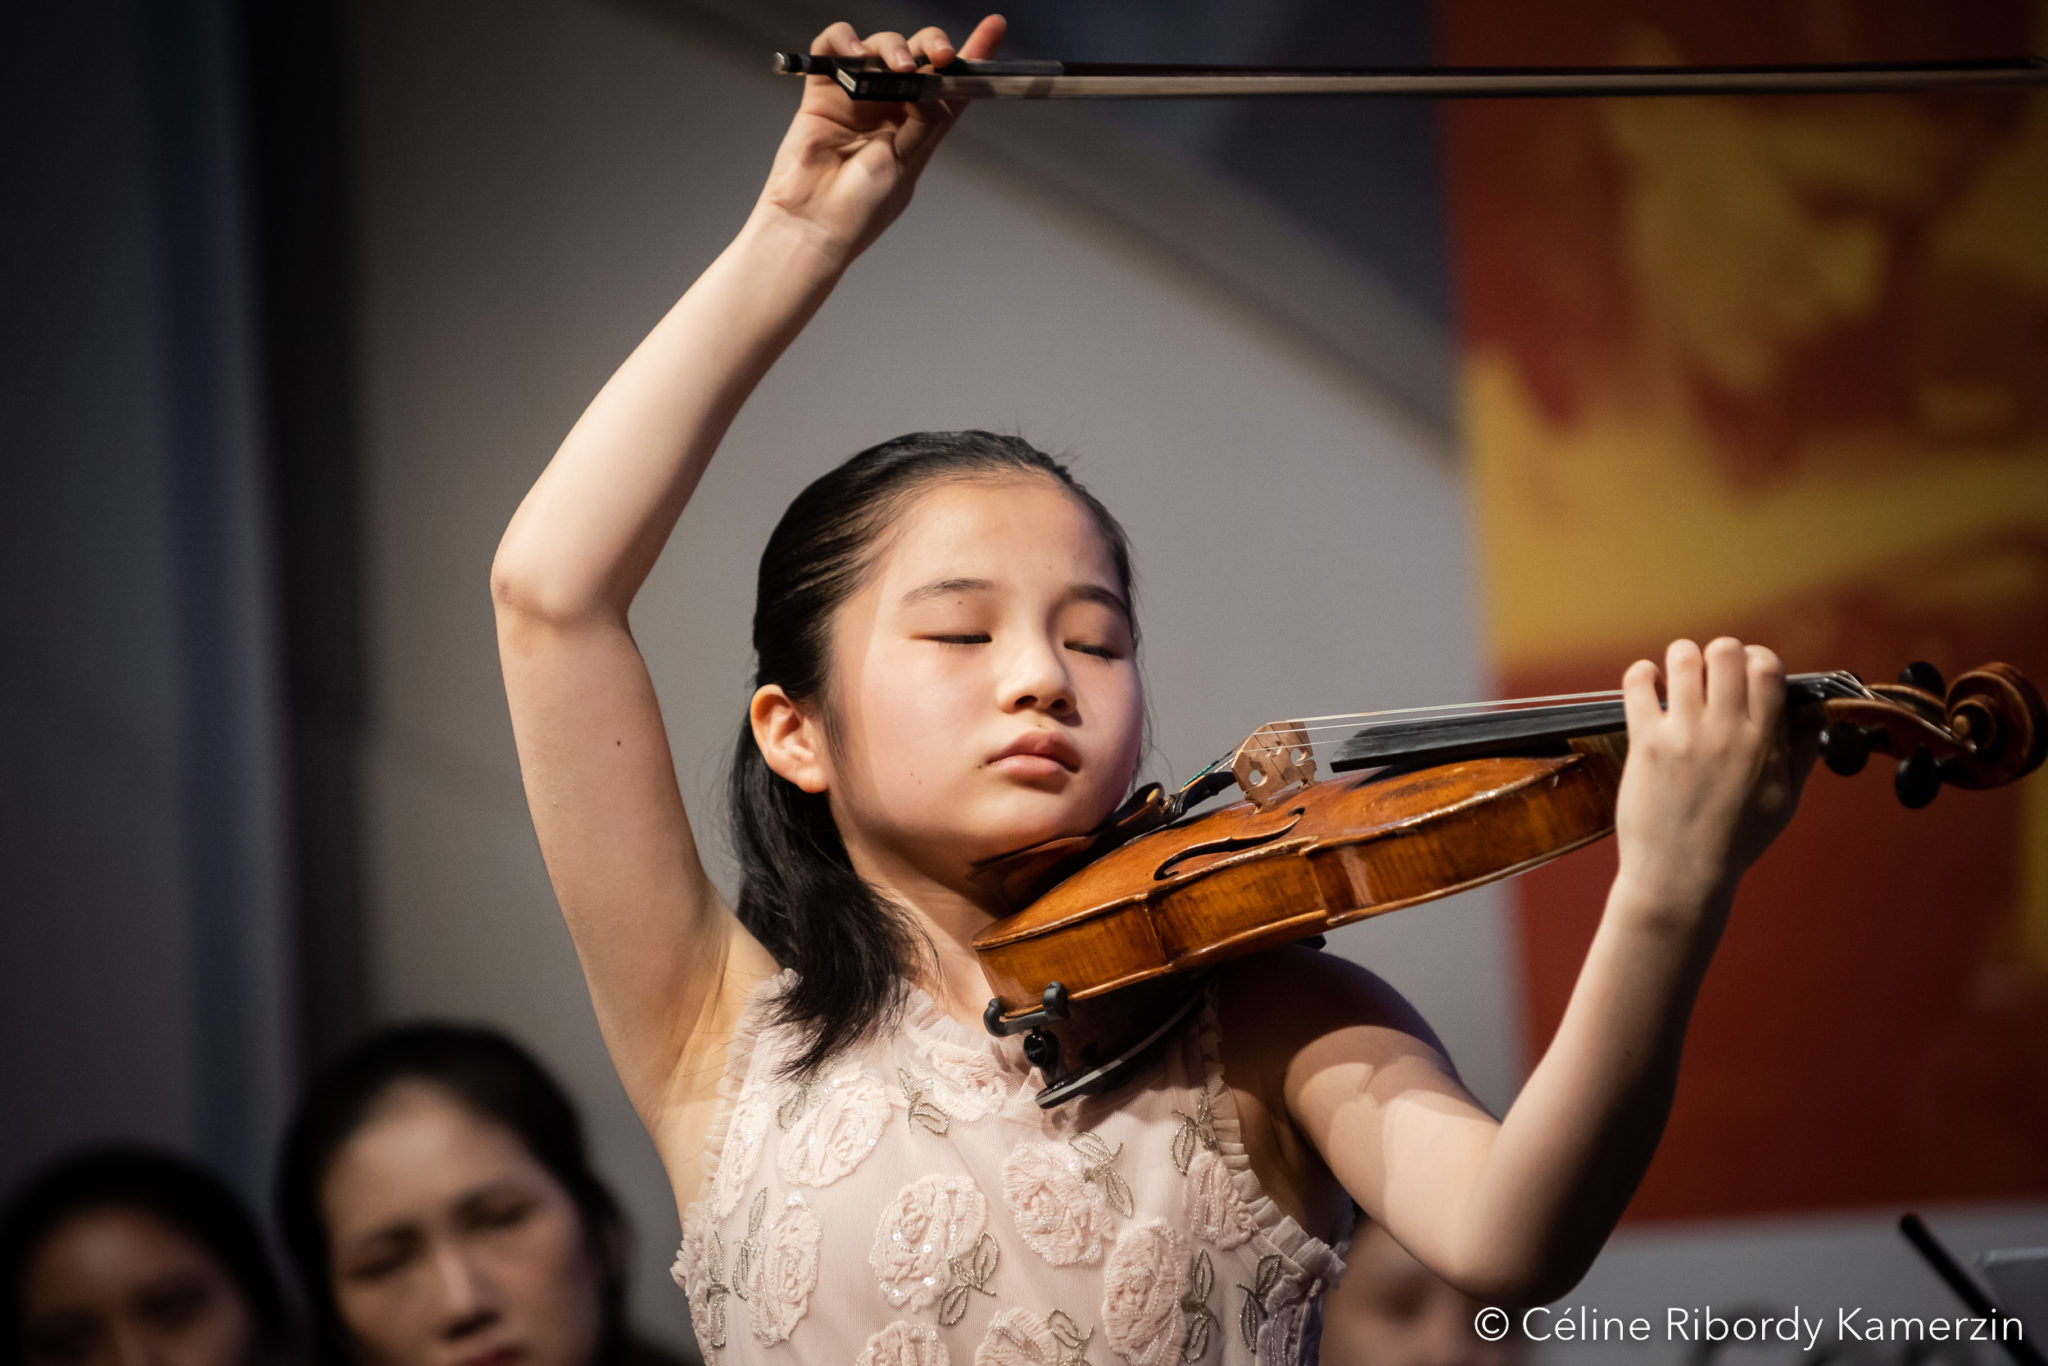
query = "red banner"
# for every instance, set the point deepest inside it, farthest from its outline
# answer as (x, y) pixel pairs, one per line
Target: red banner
(1778, 368)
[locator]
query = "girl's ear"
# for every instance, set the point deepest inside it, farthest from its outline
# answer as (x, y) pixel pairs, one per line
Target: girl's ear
(790, 739)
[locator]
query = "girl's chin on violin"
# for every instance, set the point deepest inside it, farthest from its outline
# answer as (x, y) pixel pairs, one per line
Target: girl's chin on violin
(1013, 812)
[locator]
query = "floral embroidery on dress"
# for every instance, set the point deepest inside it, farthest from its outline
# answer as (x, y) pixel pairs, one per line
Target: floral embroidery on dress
(1214, 1211)
(1017, 1337)
(1183, 1254)
(794, 1104)
(744, 1139)
(922, 1111)
(750, 1246)
(781, 1272)
(1253, 1311)
(963, 1274)
(1141, 1293)
(931, 1222)
(1061, 1215)
(1098, 1170)
(1197, 1132)
(904, 1344)
(700, 1270)
(1200, 1328)
(969, 1084)
(832, 1137)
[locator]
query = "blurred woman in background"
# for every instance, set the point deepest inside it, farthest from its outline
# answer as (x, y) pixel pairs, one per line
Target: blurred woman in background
(121, 1256)
(437, 1203)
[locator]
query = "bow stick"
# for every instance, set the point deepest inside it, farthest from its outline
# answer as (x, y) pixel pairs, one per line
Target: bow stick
(868, 78)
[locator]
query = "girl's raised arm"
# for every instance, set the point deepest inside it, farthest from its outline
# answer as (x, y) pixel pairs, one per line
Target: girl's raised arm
(667, 962)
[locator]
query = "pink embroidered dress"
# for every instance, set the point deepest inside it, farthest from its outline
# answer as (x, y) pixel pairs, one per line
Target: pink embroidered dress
(912, 1206)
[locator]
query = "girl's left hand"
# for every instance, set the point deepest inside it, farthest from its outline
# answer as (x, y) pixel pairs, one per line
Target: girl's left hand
(1712, 776)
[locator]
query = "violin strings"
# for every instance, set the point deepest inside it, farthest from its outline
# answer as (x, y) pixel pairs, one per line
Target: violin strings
(1500, 703)
(1348, 721)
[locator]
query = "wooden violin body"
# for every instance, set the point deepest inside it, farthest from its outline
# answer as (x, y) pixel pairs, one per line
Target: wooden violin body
(1424, 813)
(1241, 879)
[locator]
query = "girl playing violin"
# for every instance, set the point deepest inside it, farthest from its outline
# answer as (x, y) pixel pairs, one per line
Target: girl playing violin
(947, 671)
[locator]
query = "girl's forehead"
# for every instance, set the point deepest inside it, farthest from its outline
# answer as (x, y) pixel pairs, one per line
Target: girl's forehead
(1006, 530)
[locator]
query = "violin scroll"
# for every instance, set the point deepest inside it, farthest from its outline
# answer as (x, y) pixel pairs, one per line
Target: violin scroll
(1988, 729)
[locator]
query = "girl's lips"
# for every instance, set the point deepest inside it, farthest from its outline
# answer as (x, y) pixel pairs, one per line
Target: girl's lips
(1030, 765)
(1039, 751)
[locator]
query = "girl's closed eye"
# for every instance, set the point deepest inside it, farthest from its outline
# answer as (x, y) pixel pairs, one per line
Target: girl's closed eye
(966, 638)
(1101, 634)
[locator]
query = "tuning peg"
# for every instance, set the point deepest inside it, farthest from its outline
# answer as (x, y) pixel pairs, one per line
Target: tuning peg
(1846, 747)
(1918, 780)
(1924, 676)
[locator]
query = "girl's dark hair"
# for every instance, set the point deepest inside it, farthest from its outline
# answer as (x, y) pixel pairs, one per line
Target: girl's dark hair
(171, 1189)
(489, 1075)
(799, 895)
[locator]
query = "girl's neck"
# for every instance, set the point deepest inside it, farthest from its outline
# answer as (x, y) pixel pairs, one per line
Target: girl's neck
(949, 917)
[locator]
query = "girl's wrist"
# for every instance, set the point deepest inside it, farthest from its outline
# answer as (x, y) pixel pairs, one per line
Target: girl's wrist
(799, 244)
(1688, 907)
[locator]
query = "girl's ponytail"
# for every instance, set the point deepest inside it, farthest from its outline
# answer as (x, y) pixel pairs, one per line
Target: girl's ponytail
(801, 898)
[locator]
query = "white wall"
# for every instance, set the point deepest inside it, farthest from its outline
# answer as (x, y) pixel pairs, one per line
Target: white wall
(539, 181)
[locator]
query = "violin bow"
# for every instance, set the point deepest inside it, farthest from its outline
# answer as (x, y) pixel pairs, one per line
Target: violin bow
(868, 78)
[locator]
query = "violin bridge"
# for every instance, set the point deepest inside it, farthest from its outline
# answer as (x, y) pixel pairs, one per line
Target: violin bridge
(1274, 761)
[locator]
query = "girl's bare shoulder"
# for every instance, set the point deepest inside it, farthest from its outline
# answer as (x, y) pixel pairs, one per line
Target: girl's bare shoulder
(1290, 1011)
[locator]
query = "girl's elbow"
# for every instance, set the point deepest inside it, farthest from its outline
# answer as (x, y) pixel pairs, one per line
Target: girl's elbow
(514, 576)
(508, 589)
(522, 593)
(1518, 1281)
(518, 601)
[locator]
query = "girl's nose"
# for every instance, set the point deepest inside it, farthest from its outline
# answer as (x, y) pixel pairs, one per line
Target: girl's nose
(1037, 680)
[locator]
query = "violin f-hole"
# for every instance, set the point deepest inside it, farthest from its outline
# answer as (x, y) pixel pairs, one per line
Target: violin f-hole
(1227, 846)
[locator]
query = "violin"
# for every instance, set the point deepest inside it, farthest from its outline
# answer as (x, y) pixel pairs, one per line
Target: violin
(1125, 921)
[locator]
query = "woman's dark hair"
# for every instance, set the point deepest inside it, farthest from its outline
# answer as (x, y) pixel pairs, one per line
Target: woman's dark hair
(487, 1074)
(175, 1191)
(799, 895)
